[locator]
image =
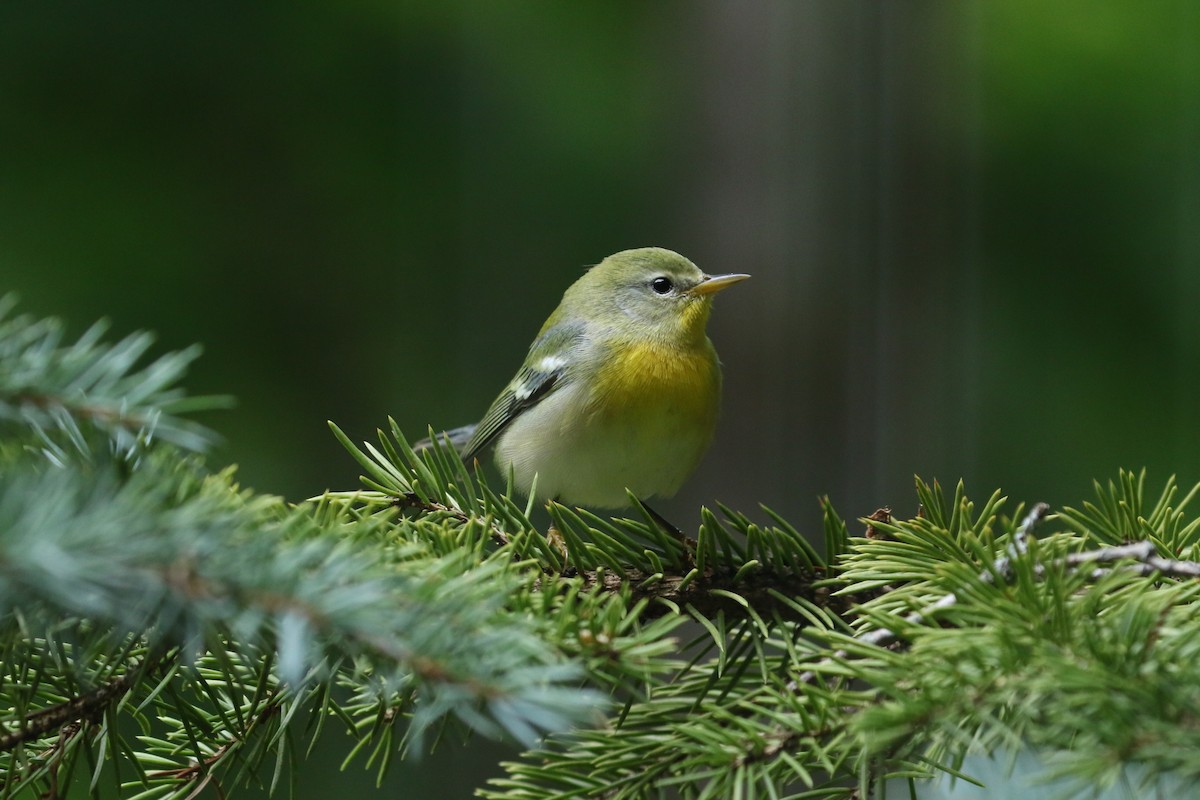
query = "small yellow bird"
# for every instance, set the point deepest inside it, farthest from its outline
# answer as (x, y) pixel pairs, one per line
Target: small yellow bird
(620, 389)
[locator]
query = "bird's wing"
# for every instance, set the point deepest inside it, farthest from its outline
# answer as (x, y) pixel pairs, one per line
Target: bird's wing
(542, 373)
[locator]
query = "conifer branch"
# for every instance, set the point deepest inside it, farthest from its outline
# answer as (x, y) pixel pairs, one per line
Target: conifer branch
(1002, 566)
(84, 707)
(766, 592)
(151, 594)
(1149, 563)
(410, 500)
(48, 385)
(201, 770)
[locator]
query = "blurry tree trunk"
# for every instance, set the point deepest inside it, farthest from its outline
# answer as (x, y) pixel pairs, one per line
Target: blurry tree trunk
(841, 173)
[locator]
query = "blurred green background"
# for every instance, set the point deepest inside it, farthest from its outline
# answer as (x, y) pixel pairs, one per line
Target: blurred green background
(974, 228)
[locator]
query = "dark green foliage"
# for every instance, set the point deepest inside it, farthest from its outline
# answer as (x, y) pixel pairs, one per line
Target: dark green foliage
(164, 630)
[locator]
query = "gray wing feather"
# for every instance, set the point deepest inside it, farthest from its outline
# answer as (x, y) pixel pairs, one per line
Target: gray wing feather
(530, 386)
(508, 406)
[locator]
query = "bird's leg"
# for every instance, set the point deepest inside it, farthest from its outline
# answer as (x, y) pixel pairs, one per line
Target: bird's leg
(662, 521)
(689, 545)
(555, 538)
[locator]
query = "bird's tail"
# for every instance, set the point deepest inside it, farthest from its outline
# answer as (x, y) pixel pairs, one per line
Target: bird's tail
(458, 438)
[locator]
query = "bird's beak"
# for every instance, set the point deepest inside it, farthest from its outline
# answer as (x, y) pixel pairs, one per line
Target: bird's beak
(715, 283)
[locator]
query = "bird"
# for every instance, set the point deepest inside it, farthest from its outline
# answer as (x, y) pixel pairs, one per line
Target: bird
(619, 391)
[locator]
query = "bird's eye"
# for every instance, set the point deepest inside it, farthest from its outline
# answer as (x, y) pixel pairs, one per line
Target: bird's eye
(661, 285)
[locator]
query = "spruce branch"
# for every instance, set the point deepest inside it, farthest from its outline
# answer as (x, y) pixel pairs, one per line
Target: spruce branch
(410, 500)
(202, 771)
(769, 593)
(1149, 563)
(884, 636)
(49, 386)
(1002, 566)
(302, 587)
(1144, 553)
(84, 707)
(986, 595)
(158, 618)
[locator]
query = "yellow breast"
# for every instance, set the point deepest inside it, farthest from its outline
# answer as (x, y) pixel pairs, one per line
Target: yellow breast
(647, 378)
